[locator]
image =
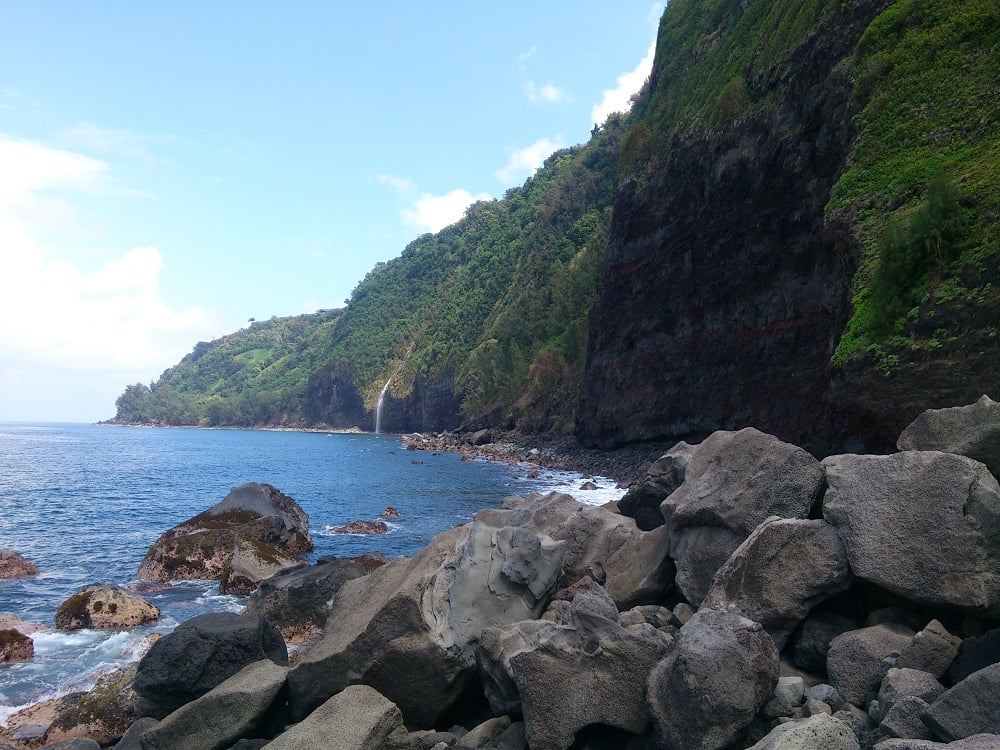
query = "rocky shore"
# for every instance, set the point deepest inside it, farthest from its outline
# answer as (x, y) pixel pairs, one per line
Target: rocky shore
(743, 594)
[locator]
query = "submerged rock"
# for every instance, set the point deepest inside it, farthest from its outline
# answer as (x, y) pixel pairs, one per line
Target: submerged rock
(104, 607)
(13, 565)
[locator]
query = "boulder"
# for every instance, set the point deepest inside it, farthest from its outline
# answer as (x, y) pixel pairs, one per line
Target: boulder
(103, 714)
(972, 431)
(15, 646)
(903, 683)
(813, 639)
(819, 731)
(905, 719)
(643, 499)
(976, 742)
(200, 654)
(232, 710)
(254, 532)
(719, 660)
(79, 743)
(298, 601)
(783, 569)
(410, 628)
(484, 735)
(107, 606)
(974, 654)
(854, 661)
(357, 718)
(970, 707)
(932, 650)
(132, 739)
(563, 678)
(732, 482)
(923, 524)
(633, 566)
(13, 565)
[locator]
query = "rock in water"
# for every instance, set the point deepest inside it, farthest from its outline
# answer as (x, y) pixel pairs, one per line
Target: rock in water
(923, 524)
(361, 527)
(104, 607)
(200, 654)
(972, 431)
(15, 646)
(720, 673)
(13, 565)
(249, 536)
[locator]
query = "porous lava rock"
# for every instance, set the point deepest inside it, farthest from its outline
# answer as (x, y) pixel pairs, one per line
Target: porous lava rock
(972, 430)
(107, 606)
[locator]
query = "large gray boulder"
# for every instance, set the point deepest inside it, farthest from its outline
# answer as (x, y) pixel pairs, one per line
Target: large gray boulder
(563, 678)
(854, 660)
(633, 566)
(231, 710)
(200, 654)
(721, 671)
(976, 742)
(253, 533)
(900, 683)
(970, 707)
(732, 482)
(410, 628)
(974, 654)
(783, 569)
(923, 524)
(932, 650)
(972, 431)
(821, 731)
(298, 601)
(642, 501)
(357, 718)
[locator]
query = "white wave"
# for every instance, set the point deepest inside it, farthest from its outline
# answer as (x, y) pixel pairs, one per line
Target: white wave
(571, 483)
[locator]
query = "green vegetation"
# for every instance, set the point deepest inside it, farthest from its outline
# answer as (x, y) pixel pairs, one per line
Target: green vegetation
(255, 376)
(496, 301)
(921, 187)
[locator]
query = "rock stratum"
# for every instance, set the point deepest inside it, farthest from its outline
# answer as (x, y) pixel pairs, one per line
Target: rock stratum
(847, 604)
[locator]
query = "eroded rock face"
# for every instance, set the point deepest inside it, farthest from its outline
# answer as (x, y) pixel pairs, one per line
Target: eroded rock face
(200, 654)
(783, 569)
(410, 628)
(922, 524)
(733, 481)
(564, 676)
(253, 533)
(719, 660)
(103, 714)
(104, 607)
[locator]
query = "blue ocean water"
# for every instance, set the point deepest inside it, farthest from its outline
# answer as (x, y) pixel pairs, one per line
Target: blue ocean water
(85, 502)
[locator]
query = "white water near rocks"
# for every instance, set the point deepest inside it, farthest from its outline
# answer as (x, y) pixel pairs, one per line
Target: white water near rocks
(378, 407)
(84, 502)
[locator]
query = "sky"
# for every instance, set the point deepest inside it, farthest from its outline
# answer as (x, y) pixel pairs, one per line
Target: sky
(169, 171)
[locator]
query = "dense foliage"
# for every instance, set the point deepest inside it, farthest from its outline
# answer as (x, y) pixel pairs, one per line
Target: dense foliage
(255, 376)
(921, 186)
(498, 302)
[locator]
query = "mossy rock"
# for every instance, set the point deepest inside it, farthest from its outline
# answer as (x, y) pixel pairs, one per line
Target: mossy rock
(104, 607)
(15, 646)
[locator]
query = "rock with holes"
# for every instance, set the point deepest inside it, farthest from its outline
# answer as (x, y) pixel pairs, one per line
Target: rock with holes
(106, 606)
(972, 431)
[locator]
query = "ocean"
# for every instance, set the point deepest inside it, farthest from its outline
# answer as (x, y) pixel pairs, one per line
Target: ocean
(84, 503)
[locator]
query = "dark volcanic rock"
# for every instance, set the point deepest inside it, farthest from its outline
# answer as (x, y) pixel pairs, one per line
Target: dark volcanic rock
(642, 501)
(200, 654)
(702, 323)
(972, 431)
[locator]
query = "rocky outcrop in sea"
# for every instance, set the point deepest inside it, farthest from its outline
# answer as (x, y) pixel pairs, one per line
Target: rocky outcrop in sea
(781, 602)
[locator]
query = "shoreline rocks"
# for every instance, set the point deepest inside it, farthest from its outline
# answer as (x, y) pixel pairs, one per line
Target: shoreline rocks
(253, 533)
(14, 565)
(546, 624)
(106, 606)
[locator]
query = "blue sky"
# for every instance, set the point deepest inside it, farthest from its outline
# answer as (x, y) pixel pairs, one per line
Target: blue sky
(170, 170)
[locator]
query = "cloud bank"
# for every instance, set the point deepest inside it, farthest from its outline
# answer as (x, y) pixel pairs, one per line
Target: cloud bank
(618, 98)
(432, 213)
(523, 162)
(74, 336)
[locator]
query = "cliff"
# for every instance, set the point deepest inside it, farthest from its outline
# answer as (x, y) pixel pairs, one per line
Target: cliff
(731, 277)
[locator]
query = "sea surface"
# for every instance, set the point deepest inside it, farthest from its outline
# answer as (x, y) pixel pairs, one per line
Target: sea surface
(85, 502)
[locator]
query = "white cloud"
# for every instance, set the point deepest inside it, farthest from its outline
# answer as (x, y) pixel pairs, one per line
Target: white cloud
(549, 93)
(618, 98)
(109, 141)
(432, 213)
(400, 184)
(524, 161)
(67, 329)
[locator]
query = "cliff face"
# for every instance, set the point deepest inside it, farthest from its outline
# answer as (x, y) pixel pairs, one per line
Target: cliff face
(724, 291)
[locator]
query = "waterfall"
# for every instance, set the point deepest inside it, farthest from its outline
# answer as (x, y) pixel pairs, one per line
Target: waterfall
(378, 407)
